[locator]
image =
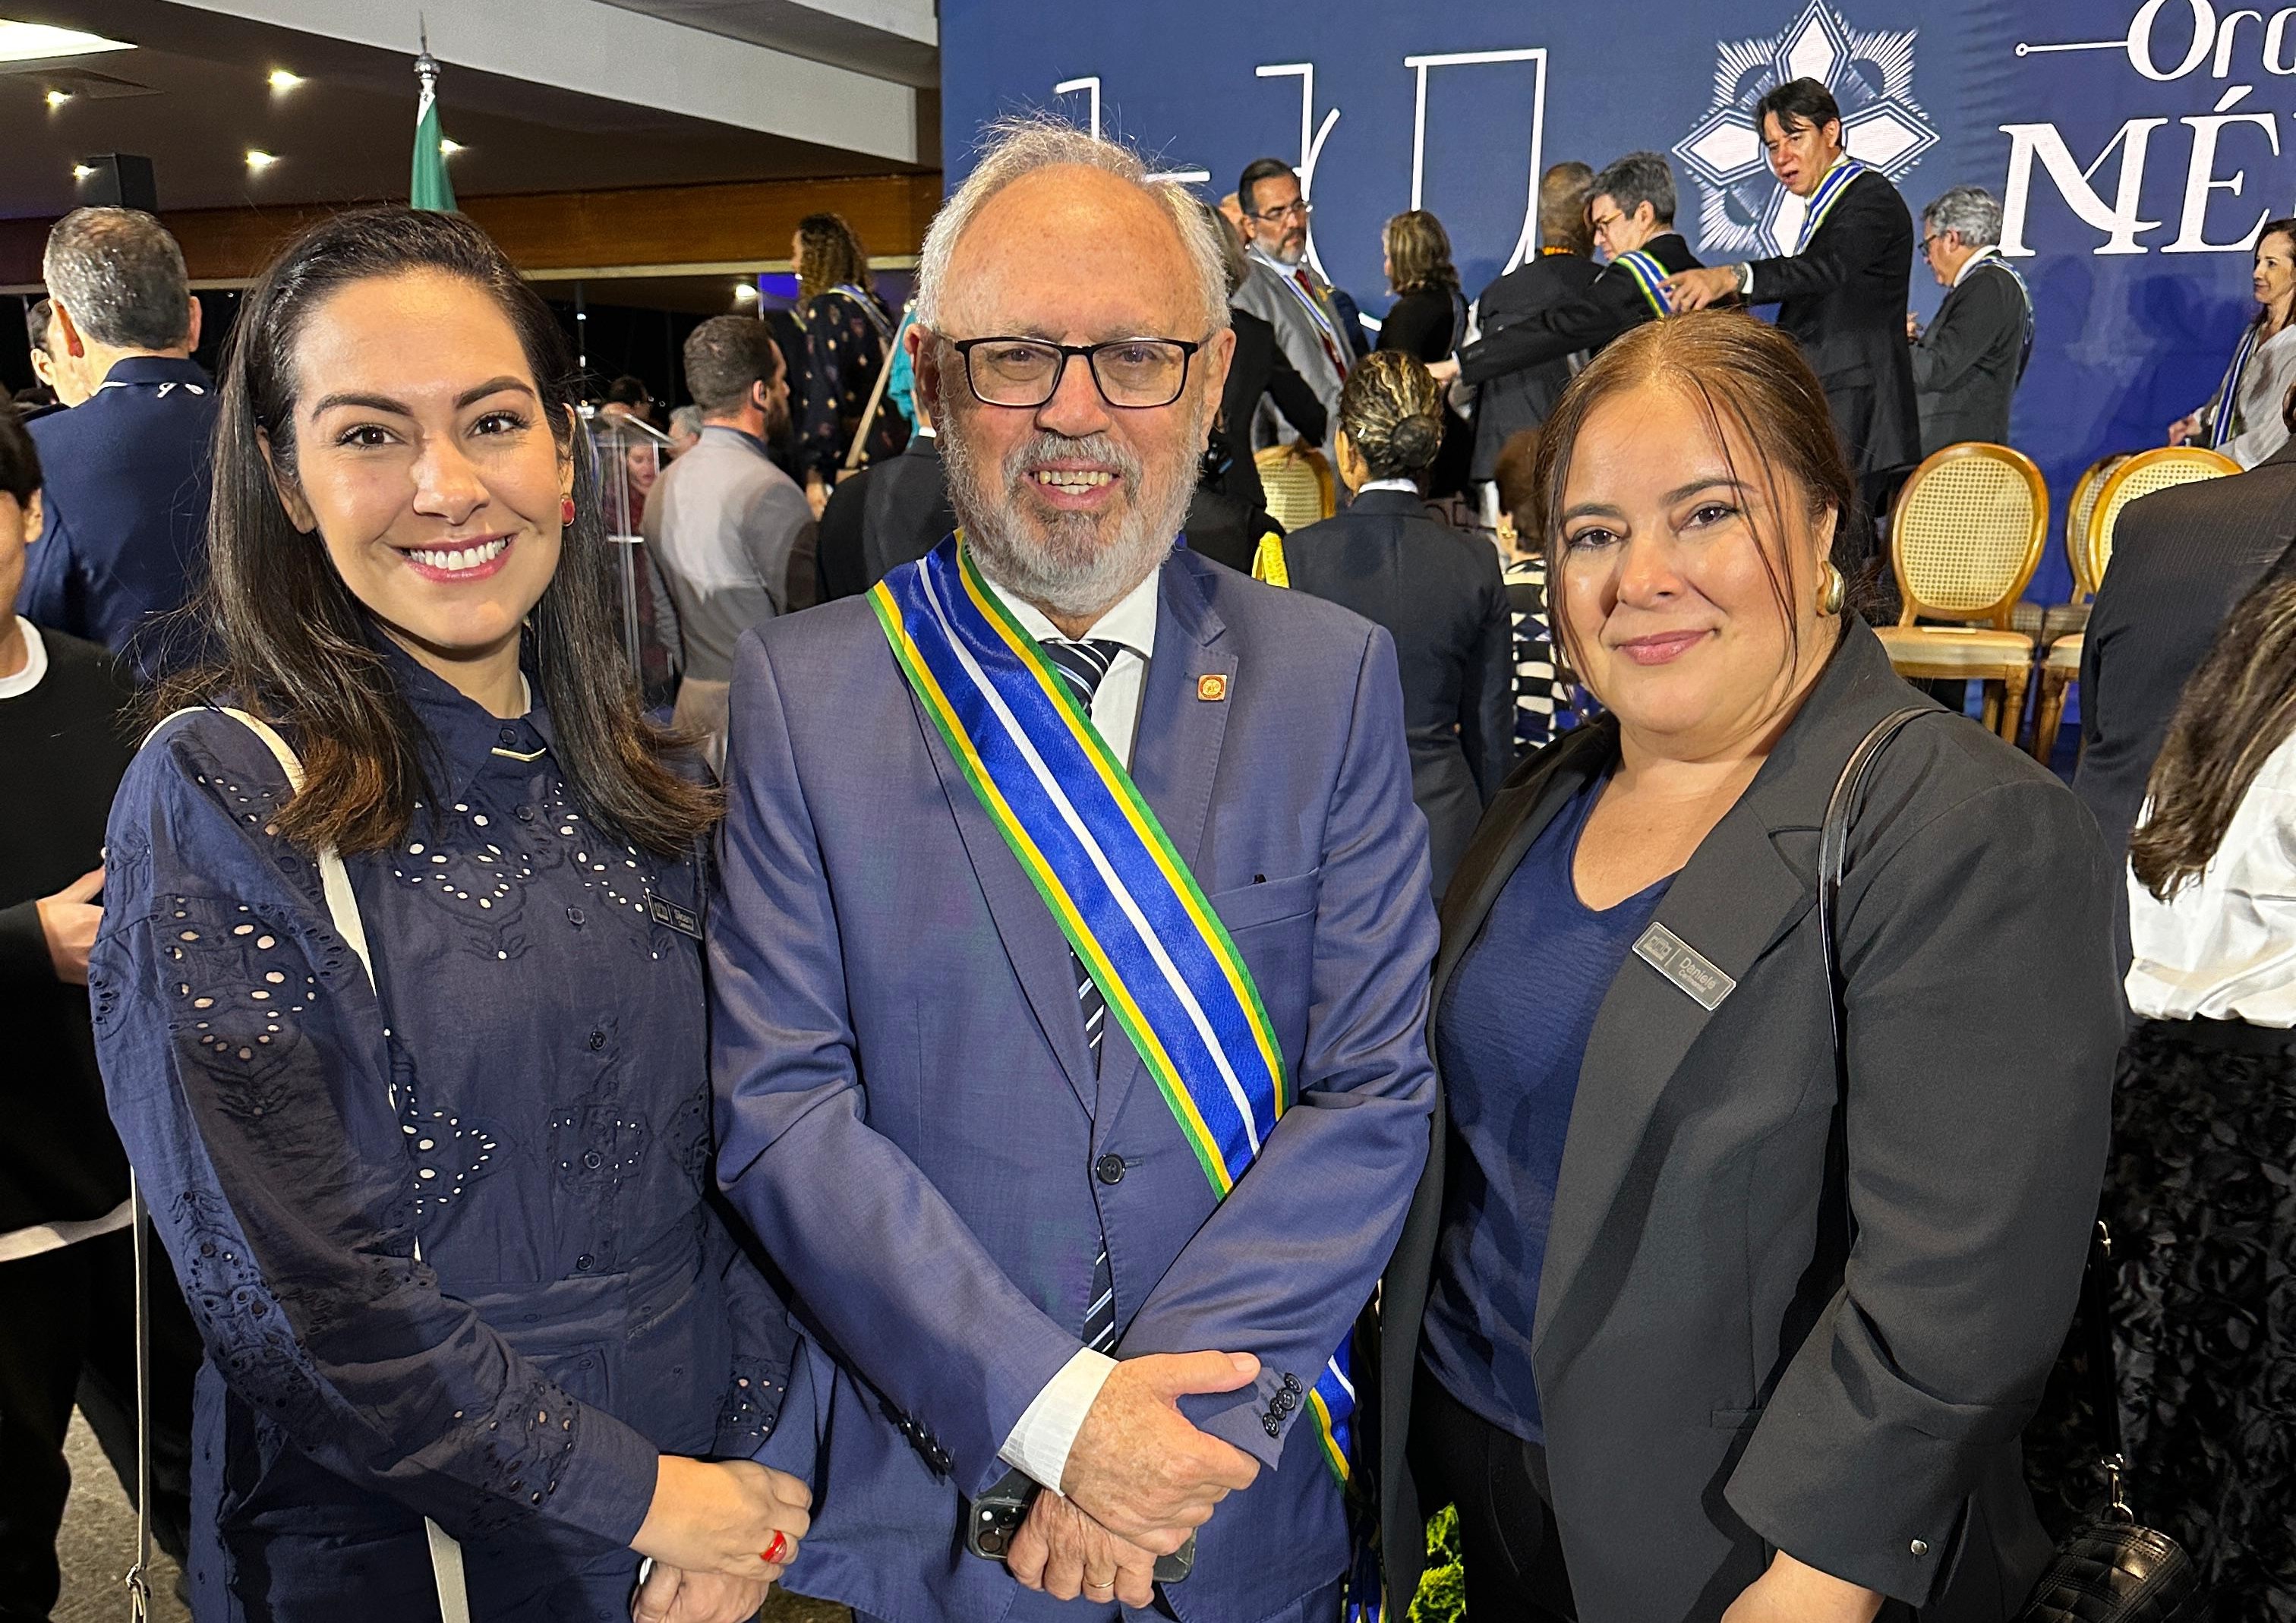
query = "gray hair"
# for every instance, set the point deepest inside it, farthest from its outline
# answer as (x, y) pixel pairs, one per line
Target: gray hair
(121, 276)
(1635, 180)
(686, 420)
(1013, 148)
(1971, 213)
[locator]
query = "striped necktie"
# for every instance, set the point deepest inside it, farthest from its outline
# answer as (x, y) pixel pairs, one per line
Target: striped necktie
(1084, 664)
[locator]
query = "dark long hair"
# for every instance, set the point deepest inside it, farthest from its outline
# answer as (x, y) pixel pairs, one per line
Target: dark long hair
(2238, 707)
(829, 254)
(1736, 368)
(296, 645)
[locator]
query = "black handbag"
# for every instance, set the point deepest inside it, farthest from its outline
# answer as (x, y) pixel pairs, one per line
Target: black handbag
(2113, 1570)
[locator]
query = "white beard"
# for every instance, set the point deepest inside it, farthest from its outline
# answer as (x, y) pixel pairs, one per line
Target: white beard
(1073, 564)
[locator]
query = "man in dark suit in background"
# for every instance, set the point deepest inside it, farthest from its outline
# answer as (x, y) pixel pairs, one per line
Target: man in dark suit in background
(889, 513)
(127, 498)
(1514, 394)
(2181, 559)
(1966, 367)
(1630, 209)
(1842, 292)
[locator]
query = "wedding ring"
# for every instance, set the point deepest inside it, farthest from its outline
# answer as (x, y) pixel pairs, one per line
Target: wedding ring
(773, 1552)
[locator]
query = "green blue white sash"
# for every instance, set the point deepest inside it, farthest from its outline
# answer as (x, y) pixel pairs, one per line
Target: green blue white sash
(1649, 276)
(2221, 426)
(1130, 908)
(1828, 194)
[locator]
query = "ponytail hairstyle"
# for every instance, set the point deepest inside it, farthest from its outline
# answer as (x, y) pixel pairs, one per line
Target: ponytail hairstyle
(1739, 371)
(2239, 707)
(1391, 413)
(296, 645)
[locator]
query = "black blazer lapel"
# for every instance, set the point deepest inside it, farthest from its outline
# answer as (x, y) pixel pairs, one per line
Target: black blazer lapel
(1039, 953)
(1175, 748)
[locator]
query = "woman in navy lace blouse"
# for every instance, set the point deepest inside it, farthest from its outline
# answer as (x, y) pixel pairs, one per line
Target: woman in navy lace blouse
(444, 1231)
(847, 332)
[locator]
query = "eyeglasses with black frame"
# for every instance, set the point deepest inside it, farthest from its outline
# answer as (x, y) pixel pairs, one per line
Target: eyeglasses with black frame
(1135, 373)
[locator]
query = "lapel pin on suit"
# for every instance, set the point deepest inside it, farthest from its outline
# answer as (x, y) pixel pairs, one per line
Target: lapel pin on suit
(1211, 689)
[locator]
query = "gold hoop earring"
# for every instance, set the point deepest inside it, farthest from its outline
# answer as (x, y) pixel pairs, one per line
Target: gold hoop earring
(1834, 592)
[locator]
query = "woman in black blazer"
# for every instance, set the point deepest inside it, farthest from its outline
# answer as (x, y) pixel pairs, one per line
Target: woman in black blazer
(1428, 320)
(1667, 1312)
(1437, 592)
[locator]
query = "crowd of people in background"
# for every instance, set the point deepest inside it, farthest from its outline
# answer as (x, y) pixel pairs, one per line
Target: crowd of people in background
(614, 1046)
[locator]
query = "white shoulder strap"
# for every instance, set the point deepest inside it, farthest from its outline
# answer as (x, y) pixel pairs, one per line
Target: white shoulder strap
(342, 909)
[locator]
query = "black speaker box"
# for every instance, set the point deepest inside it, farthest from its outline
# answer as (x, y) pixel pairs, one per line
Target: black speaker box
(122, 180)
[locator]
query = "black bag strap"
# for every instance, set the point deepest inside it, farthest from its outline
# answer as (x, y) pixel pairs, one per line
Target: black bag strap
(1833, 851)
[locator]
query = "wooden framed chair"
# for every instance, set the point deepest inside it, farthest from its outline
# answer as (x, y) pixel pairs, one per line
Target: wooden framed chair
(2048, 622)
(2132, 477)
(1298, 481)
(1965, 536)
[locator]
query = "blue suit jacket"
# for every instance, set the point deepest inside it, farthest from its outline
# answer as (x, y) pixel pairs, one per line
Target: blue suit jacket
(125, 495)
(908, 1115)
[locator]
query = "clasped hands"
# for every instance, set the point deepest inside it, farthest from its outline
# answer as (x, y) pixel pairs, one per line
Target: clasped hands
(1140, 1480)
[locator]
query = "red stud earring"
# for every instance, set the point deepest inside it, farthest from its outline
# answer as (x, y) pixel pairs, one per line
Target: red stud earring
(566, 512)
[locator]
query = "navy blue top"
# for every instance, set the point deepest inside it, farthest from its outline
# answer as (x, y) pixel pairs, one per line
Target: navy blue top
(528, 1104)
(124, 494)
(1509, 1040)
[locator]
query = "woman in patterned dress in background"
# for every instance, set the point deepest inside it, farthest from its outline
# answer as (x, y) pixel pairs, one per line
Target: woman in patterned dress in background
(847, 332)
(431, 1160)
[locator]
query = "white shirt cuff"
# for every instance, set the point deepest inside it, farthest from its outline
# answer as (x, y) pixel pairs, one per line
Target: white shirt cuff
(1046, 1430)
(1745, 281)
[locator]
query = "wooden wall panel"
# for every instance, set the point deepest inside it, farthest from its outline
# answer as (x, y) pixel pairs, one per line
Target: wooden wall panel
(739, 222)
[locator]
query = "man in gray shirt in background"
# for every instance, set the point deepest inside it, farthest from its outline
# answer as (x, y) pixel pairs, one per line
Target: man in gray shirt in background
(731, 532)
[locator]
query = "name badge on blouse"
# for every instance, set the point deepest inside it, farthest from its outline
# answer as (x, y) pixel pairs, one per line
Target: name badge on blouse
(682, 919)
(1684, 965)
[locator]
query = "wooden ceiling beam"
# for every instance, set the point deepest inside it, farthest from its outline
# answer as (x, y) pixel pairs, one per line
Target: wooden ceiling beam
(742, 222)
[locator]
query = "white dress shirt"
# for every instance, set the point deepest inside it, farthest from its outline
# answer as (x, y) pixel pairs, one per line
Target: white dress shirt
(1040, 1440)
(1984, 252)
(2224, 947)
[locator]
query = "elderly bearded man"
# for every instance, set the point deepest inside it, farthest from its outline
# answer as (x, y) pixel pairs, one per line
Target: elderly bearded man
(1071, 966)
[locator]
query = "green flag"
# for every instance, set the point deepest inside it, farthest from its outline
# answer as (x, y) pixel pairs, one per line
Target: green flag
(428, 188)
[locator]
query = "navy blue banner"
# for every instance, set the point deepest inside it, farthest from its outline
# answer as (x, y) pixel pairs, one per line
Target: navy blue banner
(2137, 147)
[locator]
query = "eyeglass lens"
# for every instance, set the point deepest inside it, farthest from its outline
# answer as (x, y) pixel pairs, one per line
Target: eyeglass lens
(1146, 373)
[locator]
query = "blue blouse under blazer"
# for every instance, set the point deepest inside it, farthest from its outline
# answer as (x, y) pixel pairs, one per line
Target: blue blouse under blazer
(450, 1253)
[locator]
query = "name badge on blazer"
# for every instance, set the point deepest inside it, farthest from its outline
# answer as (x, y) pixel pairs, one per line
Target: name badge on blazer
(1684, 965)
(682, 919)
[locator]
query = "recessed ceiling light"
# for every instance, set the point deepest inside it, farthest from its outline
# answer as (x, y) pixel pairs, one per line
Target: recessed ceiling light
(57, 98)
(81, 171)
(259, 160)
(29, 42)
(281, 79)
(448, 148)
(745, 291)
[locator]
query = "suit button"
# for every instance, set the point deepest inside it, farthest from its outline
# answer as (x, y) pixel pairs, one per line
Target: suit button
(1291, 1384)
(1274, 1427)
(585, 1263)
(1919, 1547)
(1284, 1403)
(592, 1160)
(1109, 1169)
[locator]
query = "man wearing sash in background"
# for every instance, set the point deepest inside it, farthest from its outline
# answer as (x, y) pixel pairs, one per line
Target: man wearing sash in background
(1285, 291)
(1071, 963)
(1630, 209)
(1842, 292)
